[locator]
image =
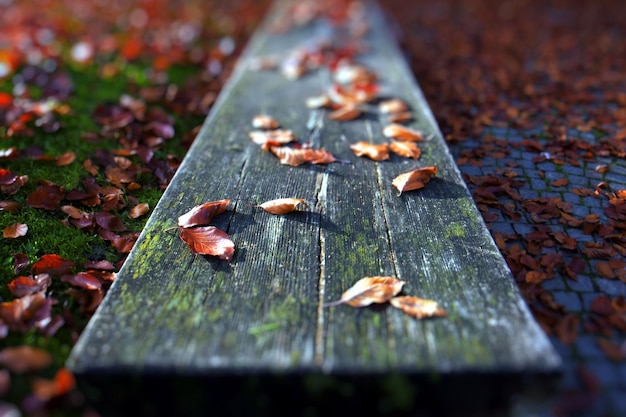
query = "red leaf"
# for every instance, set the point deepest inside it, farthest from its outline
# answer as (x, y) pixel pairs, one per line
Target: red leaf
(203, 213)
(9, 206)
(47, 197)
(52, 264)
(83, 280)
(20, 262)
(109, 221)
(23, 313)
(7, 177)
(208, 240)
(25, 285)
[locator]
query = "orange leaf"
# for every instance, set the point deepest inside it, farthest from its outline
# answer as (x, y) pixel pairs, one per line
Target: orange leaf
(22, 359)
(208, 240)
(559, 182)
(282, 205)
(611, 350)
(405, 116)
(375, 152)
(419, 308)
(62, 384)
(414, 180)
(203, 213)
(263, 121)
(567, 329)
(405, 149)
(15, 230)
(394, 105)
(295, 157)
(400, 132)
(318, 102)
(274, 137)
(66, 159)
(347, 112)
(370, 290)
(139, 210)
(52, 264)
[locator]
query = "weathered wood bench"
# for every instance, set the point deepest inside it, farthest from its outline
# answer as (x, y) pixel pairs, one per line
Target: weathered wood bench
(254, 331)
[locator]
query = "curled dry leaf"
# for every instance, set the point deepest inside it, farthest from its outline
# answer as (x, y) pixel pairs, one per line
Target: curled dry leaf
(203, 213)
(65, 159)
(295, 157)
(283, 205)
(139, 210)
(376, 152)
(414, 180)
(15, 230)
(419, 308)
(402, 117)
(263, 121)
(23, 359)
(344, 113)
(370, 290)
(208, 240)
(405, 149)
(394, 105)
(266, 139)
(400, 132)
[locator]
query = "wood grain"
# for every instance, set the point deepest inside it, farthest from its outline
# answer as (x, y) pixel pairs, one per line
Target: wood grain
(172, 311)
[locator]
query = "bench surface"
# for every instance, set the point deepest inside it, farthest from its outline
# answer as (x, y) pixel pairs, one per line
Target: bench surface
(170, 311)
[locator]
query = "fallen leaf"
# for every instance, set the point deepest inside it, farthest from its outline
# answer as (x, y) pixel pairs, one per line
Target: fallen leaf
(295, 157)
(10, 206)
(203, 214)
(378, 152)
(560, 182)
(394, 105)
(263, 121)
(405, 149)
(25, 285)
(419, 308)
(208, 240)
(139, 210)
(344, 113)
(23, 359)
(265, 139)
(14, 231)
(611, 350)
(567, 329)
(400, 132)
(83, 280)
(52, 264)
(65, 159)
(400, 117)
(370, 290)
(318, 102)
(47, 197)
(414, 180)
(62, 384)
(283, 205)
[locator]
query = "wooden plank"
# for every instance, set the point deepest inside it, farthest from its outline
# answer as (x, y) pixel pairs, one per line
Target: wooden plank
(170, 311)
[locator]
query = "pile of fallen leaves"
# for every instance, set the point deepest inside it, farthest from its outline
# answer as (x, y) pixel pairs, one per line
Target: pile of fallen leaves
(130, 146)
(529, 93)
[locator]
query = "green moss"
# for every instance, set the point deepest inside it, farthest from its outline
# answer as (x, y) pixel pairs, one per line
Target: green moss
(455, 230)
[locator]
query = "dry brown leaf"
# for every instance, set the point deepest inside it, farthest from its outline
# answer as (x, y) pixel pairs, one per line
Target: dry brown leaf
(400, 132)
(273, 137)
(139, 210)
(394, 105)
(298, 156)
(403, 117)
(405, 149)
(318, 102)
(66, 159)
(283, 205)
(414, 180)
(15, 230)
(208, 240)
(344, 113)
(560, 182)
(375, 152)
(567, 329)
(370, 290)
(611, 350)
(203, 214)
(23, 359)
(419, 308)
(263, 121)
(10, 206)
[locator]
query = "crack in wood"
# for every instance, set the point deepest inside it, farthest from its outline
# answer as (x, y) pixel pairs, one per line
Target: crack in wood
(320, 204)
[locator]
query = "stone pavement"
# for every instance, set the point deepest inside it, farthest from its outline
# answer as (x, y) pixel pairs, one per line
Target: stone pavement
(593, 384)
